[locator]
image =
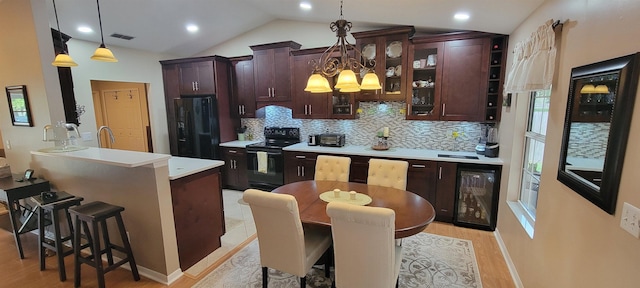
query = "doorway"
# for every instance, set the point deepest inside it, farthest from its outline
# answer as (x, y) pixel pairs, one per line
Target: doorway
(122, 106)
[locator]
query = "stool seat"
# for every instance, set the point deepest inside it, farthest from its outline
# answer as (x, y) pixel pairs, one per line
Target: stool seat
(90, 216)
(62, 202)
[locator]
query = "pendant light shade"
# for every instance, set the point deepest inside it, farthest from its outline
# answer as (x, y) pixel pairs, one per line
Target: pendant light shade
(588, 89)
(62, 59)
(102, 53)
(346, 78)
(317, 84)
(603, 89)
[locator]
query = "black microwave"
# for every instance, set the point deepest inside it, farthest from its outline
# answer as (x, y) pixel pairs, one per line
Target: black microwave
(332, 140)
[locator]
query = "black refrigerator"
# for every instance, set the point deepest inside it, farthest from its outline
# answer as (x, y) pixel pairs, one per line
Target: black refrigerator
(197, 127)
(477, 194)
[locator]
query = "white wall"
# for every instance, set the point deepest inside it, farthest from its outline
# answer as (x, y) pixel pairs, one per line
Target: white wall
(132, 66)
(575, 244)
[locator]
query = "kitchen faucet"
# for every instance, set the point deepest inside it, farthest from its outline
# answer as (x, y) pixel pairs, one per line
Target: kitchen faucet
(113, 139)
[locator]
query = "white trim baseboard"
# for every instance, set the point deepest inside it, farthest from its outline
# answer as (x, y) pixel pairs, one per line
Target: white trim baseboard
(507, 259)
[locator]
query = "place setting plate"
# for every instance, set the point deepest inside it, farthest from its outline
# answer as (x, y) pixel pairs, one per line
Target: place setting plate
(394, 50)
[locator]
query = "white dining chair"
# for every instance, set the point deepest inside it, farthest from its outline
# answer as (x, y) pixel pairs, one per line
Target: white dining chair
(283, 243)
(332, 168)
(365, 252)
(388, 173)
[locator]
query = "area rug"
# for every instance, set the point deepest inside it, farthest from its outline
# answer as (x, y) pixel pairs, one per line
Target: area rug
(428, 261)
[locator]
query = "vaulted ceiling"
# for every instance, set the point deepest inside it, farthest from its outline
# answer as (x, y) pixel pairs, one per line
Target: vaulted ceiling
(159, 25)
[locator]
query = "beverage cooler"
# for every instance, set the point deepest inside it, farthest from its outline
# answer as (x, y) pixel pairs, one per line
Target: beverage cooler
(477, 194)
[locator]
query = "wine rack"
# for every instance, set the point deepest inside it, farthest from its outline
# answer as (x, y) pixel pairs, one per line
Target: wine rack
(496, 75)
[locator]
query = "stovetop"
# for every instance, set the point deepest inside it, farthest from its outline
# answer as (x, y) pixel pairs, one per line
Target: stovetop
(278, 137)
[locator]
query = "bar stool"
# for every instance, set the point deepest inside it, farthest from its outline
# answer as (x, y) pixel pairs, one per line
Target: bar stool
(52, 206)
(90, 216)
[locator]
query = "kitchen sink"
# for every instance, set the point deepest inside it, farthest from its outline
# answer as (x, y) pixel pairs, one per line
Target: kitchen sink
(458, 156)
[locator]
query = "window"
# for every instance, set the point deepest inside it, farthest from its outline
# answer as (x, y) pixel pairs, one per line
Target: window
(534, 150)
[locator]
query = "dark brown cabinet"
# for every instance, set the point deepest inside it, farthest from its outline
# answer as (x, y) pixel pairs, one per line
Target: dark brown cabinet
(299, 166)
(464, 79)
(387, 50)
(217, 73)
(306, 105)
(235, 169)
(197, 78)
(198, 214)
(359, 169)
(445, 191)
(272, 66)
(424, 81)
(421, 179)
(497, 63)
(243, 87)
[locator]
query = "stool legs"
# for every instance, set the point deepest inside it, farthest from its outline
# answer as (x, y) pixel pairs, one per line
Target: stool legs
(127, 247)
(97, 260)
(76, 252)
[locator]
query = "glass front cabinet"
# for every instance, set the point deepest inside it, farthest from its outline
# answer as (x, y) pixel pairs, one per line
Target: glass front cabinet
(424, 74)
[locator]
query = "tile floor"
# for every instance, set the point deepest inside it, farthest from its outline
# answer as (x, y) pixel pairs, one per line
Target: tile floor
(239, 225)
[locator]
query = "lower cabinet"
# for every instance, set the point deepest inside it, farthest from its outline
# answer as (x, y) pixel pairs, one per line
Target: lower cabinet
(235, 168)
(299, 166)
(359, 169)
(445, 191)
(421, 179)
(198, 214)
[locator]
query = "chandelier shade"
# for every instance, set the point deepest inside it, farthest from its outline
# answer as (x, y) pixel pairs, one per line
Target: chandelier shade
(318, 84)
(62, 59)
(336, 60)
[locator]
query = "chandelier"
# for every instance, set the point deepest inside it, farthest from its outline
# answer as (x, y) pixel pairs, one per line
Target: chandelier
(330, 65)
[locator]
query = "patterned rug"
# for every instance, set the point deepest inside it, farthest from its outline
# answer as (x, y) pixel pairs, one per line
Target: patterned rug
(428, 261)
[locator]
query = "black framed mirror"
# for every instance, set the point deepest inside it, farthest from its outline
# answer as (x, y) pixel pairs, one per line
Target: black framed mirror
(596, 128)
(19, 105)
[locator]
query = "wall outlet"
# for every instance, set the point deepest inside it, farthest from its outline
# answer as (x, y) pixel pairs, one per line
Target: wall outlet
(630, 220)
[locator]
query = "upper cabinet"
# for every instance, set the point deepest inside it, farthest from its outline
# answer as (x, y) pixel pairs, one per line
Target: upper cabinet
(243, 87)
(424, 81)
(306, 105)
(498, 59)
(271, 66)
(385, 51)
(196, 78)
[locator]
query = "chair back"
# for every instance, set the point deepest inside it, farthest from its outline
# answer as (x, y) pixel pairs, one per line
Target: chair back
(388, 173)
(363, 244)
(280, 233)
(332, 168)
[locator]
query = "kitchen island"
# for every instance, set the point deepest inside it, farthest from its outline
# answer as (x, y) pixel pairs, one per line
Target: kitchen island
(140, 182)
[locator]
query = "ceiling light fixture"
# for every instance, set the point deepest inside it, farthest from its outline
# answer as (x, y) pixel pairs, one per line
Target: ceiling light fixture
(305, 6)
(62, 59)
(85, 29)
(343, 65)
(102, 53)
(461, 16)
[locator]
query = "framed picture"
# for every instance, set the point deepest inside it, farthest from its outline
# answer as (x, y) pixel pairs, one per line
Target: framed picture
(19, 105)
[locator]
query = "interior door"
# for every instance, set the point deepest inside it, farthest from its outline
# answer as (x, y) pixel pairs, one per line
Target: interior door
(122, 113)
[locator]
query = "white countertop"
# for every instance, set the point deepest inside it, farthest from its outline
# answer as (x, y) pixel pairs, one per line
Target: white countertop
(585, 164)
(114, 157)
(182, 166)
(238, 144)
(404, 153)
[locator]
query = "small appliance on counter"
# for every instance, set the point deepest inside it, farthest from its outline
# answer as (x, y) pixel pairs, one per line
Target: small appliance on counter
(314, 140)
(332, 139)
(492, 148)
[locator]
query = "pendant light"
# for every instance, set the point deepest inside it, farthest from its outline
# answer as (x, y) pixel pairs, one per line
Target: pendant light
(102, 53)
(62, 59)
(343, 65)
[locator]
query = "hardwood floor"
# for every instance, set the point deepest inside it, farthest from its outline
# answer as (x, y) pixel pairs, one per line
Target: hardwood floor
(15, 272)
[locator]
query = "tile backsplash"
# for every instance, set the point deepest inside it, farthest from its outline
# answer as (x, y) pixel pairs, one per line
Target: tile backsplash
(588, 140)
(435, 135)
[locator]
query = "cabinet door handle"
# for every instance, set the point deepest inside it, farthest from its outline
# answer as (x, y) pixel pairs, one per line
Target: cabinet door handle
(350, 109)
(243, 112)
(269, 92)
(417, 166)
(193, 86)
(310, 110)
(439, 172)
(233, 151)
(235, 164)
(298, 171)
(273, 92)
(302, 171)
(305, 109)
(301, 157)
(444, 108)
(197, 86)
(239, 109)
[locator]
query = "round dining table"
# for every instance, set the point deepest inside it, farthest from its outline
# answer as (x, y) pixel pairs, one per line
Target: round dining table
(413, 213)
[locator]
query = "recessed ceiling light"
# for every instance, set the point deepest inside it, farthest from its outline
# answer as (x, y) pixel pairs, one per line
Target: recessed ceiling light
(305, 6)
(85, 29)
(461, 16)
(192, 28)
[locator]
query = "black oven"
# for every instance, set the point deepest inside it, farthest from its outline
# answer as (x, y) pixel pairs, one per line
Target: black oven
(265, 160)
